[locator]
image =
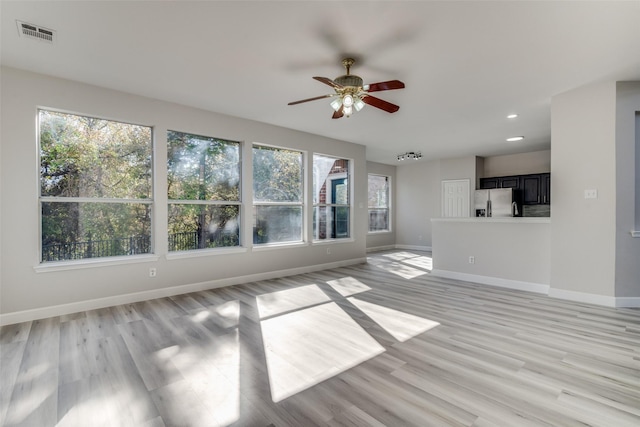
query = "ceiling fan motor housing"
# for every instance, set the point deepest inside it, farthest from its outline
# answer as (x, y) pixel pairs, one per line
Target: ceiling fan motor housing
(349, 80)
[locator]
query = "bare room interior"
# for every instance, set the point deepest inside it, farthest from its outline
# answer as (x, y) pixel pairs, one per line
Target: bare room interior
(311, 213)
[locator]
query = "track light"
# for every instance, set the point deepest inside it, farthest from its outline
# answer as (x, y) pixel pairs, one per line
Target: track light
(411, 155)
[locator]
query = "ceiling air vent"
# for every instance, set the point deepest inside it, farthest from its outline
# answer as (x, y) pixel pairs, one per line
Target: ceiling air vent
(35, 32)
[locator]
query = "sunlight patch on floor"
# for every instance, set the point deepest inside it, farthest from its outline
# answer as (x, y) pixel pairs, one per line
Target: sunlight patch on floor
(279, 302)
(227, 315)
(306, 347)
(29, 402)
(400, 325)
(347, 286)
(424, 262)
(402, 270)
(400, 256)
(212, 379)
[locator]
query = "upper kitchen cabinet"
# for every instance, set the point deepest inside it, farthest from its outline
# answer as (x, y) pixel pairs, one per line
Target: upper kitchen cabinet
(500, 182)
(546, 188)
(536, 189)
(533, 189)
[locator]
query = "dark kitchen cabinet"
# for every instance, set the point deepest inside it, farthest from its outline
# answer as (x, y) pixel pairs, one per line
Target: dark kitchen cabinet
(546, 188)
(536, 189)
(533, 189)
(489, 183)
(500, 182)
(510, 182)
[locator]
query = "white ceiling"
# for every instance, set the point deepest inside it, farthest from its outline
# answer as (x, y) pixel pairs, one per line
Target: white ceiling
(466, 65)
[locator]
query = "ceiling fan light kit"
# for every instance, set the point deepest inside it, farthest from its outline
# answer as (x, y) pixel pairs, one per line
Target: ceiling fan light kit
(352, 94)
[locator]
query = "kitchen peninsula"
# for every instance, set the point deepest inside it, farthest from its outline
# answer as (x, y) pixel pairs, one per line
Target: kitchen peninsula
(507, 252)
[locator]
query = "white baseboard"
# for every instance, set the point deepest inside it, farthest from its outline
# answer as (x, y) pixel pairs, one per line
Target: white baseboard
(607, 301)
(602, 300)
(414, 248)
(381, 248)
(538, 288)
(62, 309)
(627, 302)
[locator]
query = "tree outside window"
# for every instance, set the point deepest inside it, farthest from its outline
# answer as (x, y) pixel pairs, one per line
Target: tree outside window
(95, 187)
(378, 203)
(277, 195)
(203, 188)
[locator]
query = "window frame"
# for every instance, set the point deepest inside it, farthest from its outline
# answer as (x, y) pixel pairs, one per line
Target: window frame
(239, 203)
(348, 176)
(302, 203)
(74, 263)
(388, 207)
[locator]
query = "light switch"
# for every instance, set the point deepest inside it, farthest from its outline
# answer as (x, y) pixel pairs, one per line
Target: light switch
(591, 194)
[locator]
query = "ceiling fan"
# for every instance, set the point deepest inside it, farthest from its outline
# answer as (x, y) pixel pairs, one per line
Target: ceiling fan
(351, 93)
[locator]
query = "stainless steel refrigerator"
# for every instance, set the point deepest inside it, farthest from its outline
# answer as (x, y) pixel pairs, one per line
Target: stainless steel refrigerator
(498, 202)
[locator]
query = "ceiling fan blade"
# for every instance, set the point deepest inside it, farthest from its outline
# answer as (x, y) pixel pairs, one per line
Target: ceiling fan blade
(310, 99)
(379, 103)
(338, 113)
(391, 84)
(329, 82)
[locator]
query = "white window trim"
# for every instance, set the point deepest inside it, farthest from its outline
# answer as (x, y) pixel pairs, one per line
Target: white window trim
(48, 266)
(258, 247)
(52, 266)
(349, 176)
(389, 198)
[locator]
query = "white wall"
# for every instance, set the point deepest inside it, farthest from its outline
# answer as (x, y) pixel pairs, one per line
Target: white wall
(22, 288)
(627, 173)
(512, 252)
(583, 231)
(417, 201)
(517, 164)
(384, 239)
(419, 196)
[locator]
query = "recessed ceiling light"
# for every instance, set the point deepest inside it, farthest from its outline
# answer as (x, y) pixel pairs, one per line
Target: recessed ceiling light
(515, 138)
(512, 116)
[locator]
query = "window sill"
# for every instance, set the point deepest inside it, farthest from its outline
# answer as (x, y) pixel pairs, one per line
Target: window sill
(333, 241)
(197, 253)
(379, 232)
(635, 233)
(272, 246)
(93, 263)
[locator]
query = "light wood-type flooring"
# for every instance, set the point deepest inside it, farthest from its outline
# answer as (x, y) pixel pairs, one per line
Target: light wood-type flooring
(377, 344)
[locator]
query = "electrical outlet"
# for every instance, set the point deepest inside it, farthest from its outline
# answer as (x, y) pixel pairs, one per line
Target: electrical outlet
(152, 272)
(472, 260)
(591, 194)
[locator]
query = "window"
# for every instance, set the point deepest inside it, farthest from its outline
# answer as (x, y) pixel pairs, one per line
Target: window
(331, 198)
(277, 195)
(95, 187)
(203, 188)
(378, 203)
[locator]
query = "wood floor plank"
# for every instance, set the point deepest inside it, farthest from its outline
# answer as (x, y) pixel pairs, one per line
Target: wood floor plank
(498, 357)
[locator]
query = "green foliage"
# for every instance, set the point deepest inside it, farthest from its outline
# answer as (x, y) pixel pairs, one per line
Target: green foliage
(205, 169)
(277, 175)
(89, 158)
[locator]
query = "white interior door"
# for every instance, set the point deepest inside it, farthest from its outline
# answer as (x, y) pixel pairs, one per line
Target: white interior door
(455, 198)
